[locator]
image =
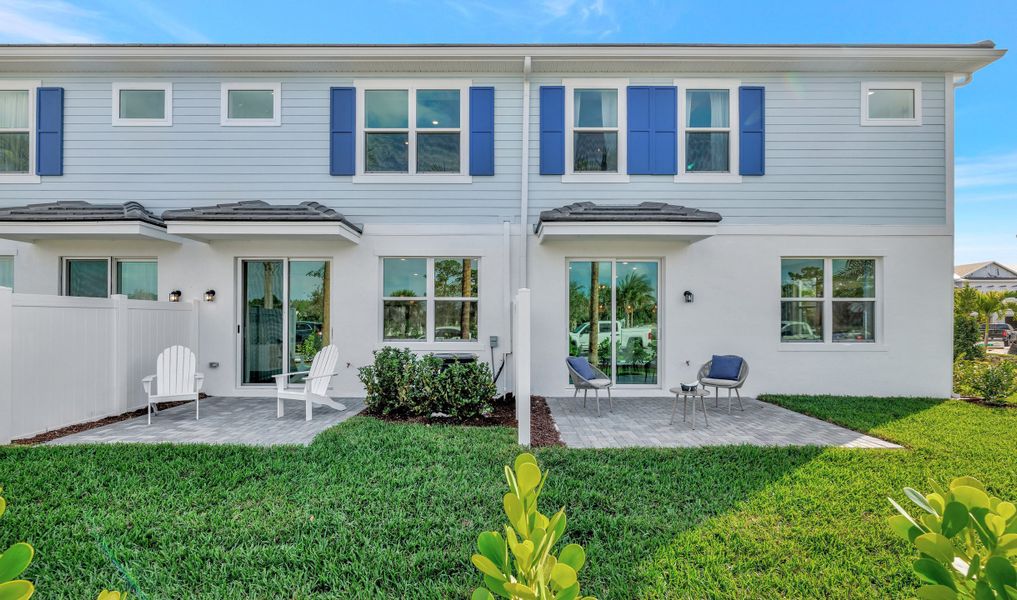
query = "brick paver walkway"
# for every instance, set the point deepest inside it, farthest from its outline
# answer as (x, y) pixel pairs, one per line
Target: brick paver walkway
(644, 422)
(247, 421)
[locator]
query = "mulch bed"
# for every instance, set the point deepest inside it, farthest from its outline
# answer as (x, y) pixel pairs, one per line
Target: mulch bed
(42, 438)
(542, 428)
(982, 402)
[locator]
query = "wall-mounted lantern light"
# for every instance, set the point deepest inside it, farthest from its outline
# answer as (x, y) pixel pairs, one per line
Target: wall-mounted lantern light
(689, 297)
(210, 296)
(174, 296)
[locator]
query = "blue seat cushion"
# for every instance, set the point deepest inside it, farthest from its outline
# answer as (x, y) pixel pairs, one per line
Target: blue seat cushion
(725, 367)
(582, 366)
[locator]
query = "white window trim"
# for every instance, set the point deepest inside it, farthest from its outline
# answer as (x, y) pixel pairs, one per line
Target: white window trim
(826, 304)
(429, 299)
(412, 85)
(224, 90)
(111, 264)
(30, 176)
(867, 86)
(732, 176)
(572, 176)
(167, 89)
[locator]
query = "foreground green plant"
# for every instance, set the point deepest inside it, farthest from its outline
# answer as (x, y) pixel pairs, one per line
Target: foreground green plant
(967, 540)
(13, 562)
(522, 565)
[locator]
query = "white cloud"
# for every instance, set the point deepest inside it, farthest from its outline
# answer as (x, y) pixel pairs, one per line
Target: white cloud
(979, 172)
(44, 22)
(164, 21)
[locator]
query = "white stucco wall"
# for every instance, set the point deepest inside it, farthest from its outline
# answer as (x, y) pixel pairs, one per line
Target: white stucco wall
(736, 282)
(734, 276)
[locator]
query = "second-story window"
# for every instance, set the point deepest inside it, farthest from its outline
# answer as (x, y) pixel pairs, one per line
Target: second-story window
(250, 104)
(595, 121)
(15, 131)
(413, 129)
(143, 104)
(707, 131)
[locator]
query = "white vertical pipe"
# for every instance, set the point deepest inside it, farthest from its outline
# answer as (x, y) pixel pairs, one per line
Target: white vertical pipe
(521, 352)
(524, 178)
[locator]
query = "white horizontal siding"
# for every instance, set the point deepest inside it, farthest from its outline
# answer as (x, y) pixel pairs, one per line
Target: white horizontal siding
(821, 166)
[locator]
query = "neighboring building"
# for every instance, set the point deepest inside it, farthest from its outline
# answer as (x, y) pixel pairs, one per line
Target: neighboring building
(989, 276)
(801, 196)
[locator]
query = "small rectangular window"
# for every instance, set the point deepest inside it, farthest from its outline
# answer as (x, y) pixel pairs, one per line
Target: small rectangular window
(142, 104)
(250, 104)
(891, 104)
(828, 299)
(87, 277)
(137, 279)
(15, 131)
(7, 271)
(430, 299)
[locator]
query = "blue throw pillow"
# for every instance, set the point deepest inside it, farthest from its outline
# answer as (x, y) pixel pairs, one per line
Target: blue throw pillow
(725, 367)
(582, 366)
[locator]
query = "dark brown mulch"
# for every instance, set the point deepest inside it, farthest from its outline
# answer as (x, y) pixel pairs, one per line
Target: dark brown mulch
(983, 402)
(542, 429)
(42, 438)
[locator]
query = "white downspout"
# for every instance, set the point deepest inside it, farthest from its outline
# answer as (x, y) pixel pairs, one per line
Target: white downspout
(524, 178)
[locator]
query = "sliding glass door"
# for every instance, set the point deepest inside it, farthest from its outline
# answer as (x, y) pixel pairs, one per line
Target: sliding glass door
(284, 316)
(613, 317)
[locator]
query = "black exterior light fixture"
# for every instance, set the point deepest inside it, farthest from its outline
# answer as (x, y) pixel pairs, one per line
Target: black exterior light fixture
(689, 297)
(174, 296)
(210, 296)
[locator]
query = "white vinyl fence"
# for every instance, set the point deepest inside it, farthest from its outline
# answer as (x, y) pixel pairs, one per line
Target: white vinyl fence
(68, 360)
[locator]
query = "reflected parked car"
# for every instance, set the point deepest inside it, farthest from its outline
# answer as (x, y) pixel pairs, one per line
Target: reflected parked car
(1002, 332)
(792, 331)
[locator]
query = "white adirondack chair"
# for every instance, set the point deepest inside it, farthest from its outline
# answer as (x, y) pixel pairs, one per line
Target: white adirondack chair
(315, 387)
(175, 379)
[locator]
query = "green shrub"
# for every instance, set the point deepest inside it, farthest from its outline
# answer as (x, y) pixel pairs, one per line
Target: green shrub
(967, 336)
(522, 565)
(401, 383)
(991, 380)
(464, 390)
(967, 542)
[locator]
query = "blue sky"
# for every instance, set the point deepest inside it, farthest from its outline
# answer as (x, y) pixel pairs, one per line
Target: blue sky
(986, 140)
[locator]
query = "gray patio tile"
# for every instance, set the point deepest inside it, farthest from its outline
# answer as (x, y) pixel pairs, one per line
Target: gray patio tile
(644, 422)
(245, 421)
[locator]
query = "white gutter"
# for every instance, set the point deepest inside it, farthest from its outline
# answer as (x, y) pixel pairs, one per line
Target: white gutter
(524, 177)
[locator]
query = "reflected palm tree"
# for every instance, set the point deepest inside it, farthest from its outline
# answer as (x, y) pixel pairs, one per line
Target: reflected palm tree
(635, 295)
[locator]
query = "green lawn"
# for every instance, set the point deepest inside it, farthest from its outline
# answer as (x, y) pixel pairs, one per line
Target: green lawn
(374, 509)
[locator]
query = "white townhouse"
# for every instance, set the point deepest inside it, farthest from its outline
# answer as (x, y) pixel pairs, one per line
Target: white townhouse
(792, 204)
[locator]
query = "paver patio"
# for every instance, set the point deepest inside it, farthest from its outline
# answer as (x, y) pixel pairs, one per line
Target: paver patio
(247, 421)
(644, 422)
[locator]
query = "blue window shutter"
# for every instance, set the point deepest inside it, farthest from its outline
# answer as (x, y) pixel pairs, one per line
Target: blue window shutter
(552, 130)
(49, 131)
(751, 129)
(481, 131)
(664, 106)
(652, 130)
(640, 144)
(342, 145)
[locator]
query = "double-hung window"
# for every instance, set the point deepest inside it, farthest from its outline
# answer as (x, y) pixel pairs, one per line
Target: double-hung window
(136, 278)
(430, 299)
(413, 130)
(143, 104)
(828, 300)
(891, 103)
(709, 137)
(595, 142)
(17, 131)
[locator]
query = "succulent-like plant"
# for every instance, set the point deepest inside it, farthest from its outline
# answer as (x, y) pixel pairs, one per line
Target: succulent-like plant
(13, 562)
(522, 564)
(967, 540)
